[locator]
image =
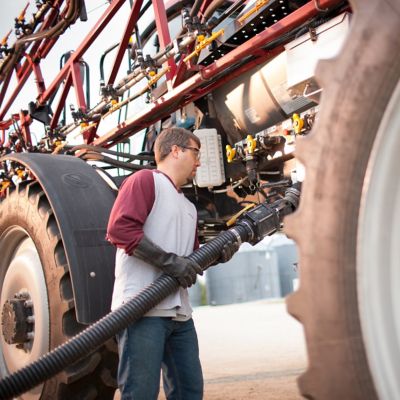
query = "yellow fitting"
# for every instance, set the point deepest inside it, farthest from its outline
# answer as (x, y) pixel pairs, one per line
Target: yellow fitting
(21, 16)
(230, 153)
(83, 124)
(251, 144)
(152, 73)
(20, 172)
(5, 38)
(200, 38)
(59, 145)
(89, 126)
(156, 77)
(257, 6)
(298, 123)
(5, 184)
(233, 219)
(114, 107)
(203, 44)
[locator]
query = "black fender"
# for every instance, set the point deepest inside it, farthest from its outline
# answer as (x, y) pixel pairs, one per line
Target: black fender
(81, 201)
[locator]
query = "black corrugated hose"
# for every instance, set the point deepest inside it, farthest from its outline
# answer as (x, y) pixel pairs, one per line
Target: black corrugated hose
(261, 221)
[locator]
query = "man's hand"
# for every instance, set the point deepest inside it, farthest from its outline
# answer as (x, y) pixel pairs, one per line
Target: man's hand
(227, 252)
(183, 269)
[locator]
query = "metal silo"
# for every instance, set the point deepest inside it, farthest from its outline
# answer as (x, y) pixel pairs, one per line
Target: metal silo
(252, 274)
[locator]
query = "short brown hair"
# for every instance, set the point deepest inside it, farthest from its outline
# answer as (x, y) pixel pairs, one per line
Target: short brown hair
(172, 136)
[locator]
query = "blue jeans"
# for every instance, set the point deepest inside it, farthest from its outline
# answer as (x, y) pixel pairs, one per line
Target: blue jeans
(157, 343)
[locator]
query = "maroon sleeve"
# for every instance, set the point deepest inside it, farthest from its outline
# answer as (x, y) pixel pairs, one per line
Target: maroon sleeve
(196, 244)
(131, 208)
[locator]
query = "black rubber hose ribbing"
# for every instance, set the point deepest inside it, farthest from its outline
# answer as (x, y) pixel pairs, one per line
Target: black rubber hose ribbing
(104, 329)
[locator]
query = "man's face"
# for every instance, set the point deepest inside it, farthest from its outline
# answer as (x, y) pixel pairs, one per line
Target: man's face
(190, 160)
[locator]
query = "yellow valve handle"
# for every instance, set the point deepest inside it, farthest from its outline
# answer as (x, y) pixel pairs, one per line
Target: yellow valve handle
(230, 153)
(156, 77)
(257, 6)
(86, 126)
(115, 105)
(203, 43)
(4, 185)
(233, 219)
(20, 173)
(21, 16)
(298, 123)
(251, 144)
(5, 38)
(59, 145)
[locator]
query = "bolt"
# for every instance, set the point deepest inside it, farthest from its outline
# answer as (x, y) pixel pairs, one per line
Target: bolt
(30, 335)
(30, 319)
(92, 274)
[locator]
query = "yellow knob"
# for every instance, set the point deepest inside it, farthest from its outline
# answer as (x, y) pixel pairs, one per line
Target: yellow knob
(298, 123)
(200, 38)
(230, 153)
(251, 144)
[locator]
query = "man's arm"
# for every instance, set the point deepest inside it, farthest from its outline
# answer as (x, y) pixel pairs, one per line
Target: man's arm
(130, 211)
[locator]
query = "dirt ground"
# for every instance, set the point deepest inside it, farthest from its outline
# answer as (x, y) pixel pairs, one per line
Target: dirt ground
(250, 351)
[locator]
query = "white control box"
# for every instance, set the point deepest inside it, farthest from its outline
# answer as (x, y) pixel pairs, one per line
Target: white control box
(211, 171)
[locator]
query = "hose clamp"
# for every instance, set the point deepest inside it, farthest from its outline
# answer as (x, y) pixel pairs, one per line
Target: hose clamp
(250, 229)
(236, 233)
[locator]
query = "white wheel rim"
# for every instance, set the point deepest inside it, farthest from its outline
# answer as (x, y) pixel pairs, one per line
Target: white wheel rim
(23, 273)
(378, 265)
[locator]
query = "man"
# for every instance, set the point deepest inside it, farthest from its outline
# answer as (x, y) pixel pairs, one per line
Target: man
(154, 228)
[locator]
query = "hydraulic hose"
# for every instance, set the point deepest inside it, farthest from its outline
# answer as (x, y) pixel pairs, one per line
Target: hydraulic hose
(261, 221)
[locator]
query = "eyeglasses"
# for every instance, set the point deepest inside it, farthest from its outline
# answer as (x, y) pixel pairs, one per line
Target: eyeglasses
(194, 149)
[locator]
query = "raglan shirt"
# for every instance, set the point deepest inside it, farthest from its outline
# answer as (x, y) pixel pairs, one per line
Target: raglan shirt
(149, 204)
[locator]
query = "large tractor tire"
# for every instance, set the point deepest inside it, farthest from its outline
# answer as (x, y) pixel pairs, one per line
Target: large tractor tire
(36, 287)
(347, 226)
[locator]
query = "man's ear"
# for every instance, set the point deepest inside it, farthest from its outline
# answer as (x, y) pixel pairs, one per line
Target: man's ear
(175, 150)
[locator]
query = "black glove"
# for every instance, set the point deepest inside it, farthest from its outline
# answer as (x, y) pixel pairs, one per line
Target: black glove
(181, 268)
(227, 252)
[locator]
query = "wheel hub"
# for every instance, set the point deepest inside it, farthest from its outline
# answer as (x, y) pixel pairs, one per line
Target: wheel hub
(17, 319)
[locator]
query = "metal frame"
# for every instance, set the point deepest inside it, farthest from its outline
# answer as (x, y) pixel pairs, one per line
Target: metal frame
(180, 92)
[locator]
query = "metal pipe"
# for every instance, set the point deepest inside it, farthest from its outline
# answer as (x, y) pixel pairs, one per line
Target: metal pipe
(207, 76)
